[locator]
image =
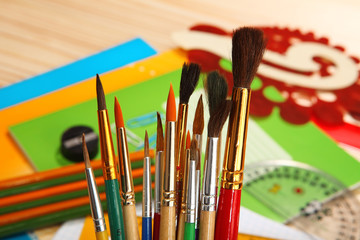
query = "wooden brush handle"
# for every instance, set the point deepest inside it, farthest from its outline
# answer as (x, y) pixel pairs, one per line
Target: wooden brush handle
(167, 223)
(207, 225)
(181, 226)
(130, 223)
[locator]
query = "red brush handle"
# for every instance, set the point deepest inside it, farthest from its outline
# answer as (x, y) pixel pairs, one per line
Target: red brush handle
(156, 230)
(227, 217)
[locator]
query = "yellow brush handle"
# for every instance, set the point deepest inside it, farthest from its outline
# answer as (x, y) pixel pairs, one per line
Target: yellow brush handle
(130, 223)
(102, 235)
(167, 223)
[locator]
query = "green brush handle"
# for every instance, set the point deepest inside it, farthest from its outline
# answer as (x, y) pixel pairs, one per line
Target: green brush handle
(189, 231)
(113, 201)
(57, 181)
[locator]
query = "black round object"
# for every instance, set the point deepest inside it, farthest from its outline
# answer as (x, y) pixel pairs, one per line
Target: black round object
(71, 143)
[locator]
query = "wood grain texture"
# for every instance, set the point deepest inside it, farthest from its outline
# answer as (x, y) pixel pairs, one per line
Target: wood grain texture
(130, 223)
(36, 36)
(207, 225)
(167, 223)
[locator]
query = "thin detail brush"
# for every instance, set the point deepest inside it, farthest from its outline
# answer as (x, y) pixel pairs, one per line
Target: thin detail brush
(146, 203)
(126, 178)
(109, 167)
(168, 207)
(95, 203)
(158, 174)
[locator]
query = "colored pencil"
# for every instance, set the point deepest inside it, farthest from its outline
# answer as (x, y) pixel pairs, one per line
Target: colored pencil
(168, 208)
(57, 176)
(95, 203)
(126, 178)
(247, 52)
(109, 163)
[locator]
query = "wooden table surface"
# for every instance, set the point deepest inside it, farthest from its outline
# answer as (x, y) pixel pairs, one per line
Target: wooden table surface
(37, 36)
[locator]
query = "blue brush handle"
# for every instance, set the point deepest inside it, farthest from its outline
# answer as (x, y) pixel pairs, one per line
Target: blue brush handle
(146, 228)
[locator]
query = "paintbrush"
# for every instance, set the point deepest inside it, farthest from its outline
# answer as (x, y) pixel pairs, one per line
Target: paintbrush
(158, 173)
(95, 203)
(126, 178)
(247, 52)
(198, 127)
(181, 218)
(216, 89)
(146, 202)
(189, 232)
(109, 167)
(189, 79)
(209, 190)
(168, 207)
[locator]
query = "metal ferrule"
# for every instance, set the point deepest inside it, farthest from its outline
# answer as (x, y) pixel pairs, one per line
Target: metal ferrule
(106, 147)
(197, 198)
(126, 180)
(158, 186)
(95, 203)
(234, 156)
(208, 196)
(185, 183)
(169, 187)
(191, 191)
(146, 203)
(181, 138)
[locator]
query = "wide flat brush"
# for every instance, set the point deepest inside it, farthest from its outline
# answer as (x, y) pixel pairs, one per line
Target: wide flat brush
(209, 190)
(247, 52)
(126, 178)
(146, 202)
(168, 207)
(109, 167)
(95, 203)
(158, 174)
(189, 79)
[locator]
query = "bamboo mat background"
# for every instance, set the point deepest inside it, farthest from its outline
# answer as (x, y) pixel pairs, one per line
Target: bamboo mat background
(37, 36)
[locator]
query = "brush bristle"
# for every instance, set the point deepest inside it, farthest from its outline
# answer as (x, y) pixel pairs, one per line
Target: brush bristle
(85, 152)
(189, 79)
(146, 145)
(216, 89)
(159, 134)
(188, 140)
(248, 45)
(194, 150)
(198, 125)
(100, 94)
(119, 120)
(171, 106)
(218, 119)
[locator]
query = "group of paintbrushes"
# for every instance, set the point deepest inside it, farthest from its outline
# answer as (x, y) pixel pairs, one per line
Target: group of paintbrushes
(185, 207)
